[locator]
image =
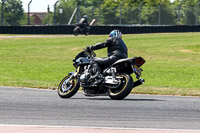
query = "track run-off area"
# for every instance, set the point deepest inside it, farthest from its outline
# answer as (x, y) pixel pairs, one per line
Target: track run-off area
(28, 110)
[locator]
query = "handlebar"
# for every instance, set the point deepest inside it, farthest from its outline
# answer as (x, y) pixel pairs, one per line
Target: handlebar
(89, 53)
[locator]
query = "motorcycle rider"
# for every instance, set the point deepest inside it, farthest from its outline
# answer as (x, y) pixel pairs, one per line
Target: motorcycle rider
(83, 23)
(116, 49)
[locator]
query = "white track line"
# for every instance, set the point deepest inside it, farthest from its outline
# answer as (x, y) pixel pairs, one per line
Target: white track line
(91, 127)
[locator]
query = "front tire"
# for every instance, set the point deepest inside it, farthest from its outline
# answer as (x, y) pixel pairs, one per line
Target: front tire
(67, 88)
(124, 89)
(76, 31)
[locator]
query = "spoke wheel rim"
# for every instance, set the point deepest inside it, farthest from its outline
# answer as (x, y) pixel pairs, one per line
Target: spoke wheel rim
(121, 87)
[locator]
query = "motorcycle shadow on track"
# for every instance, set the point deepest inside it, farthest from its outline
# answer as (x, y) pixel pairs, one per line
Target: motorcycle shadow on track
(108, 99)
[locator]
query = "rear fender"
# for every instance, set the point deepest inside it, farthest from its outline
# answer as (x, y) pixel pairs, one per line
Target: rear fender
(124, 67)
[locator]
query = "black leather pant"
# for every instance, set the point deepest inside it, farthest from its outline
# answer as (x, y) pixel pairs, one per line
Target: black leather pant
(99, 64)
(107, 61)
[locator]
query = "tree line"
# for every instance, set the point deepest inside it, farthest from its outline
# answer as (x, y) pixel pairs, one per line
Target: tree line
(131, 12)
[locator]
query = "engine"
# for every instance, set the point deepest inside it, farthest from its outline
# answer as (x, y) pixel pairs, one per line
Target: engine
(84, 77)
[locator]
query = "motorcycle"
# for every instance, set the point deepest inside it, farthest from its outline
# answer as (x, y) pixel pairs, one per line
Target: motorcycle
(116, 82)
(81, 29)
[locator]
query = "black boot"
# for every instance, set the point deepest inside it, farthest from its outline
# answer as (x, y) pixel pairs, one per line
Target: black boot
(95, 71)
(98, 78)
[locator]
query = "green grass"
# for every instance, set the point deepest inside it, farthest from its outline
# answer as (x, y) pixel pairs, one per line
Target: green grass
(172, 61)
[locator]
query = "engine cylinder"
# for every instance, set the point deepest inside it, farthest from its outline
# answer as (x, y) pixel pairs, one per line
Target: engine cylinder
(84, 77)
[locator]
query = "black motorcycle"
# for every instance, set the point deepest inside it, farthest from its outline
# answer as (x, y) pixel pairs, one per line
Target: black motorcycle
(79, 29)
(116, 82)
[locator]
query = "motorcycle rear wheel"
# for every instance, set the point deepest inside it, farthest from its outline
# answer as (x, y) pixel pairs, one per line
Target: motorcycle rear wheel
(67, 89)
(124, 88)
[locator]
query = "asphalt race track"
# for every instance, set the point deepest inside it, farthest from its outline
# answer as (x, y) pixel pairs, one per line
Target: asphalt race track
(26, 106)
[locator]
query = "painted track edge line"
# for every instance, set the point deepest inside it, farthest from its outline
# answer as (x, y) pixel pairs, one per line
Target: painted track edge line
(93, 127)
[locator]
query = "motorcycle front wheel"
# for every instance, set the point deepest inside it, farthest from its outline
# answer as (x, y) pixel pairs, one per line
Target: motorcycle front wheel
(124, 89)
(76, 31)
(67, 88)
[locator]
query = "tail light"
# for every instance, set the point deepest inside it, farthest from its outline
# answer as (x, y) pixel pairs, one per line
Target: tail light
(139, 61)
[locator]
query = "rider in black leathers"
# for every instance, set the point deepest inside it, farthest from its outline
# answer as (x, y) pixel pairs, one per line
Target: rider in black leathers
(83, 23)
(117, 49)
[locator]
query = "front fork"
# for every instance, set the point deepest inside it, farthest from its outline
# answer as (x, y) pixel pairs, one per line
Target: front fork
(69, 81)
(77, 71)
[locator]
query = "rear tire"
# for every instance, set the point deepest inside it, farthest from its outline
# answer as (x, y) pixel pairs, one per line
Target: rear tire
(124, 88)
(67, 89)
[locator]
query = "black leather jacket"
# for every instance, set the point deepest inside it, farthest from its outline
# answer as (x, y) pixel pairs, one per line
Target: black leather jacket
(116, 47)
(83, 22)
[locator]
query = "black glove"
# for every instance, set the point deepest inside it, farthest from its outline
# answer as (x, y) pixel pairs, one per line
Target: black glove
(88, 49)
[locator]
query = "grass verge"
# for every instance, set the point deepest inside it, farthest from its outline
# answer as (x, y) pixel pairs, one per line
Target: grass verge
(172, 67)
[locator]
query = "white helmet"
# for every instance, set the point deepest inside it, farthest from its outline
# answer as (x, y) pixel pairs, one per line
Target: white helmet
(85, 16)
(115, 33)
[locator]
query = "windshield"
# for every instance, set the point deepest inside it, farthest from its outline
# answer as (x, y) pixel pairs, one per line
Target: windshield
(92, 54)
(85, 54)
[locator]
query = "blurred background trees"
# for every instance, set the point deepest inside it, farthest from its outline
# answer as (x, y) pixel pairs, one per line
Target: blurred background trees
(13, 12)
(112, 12)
